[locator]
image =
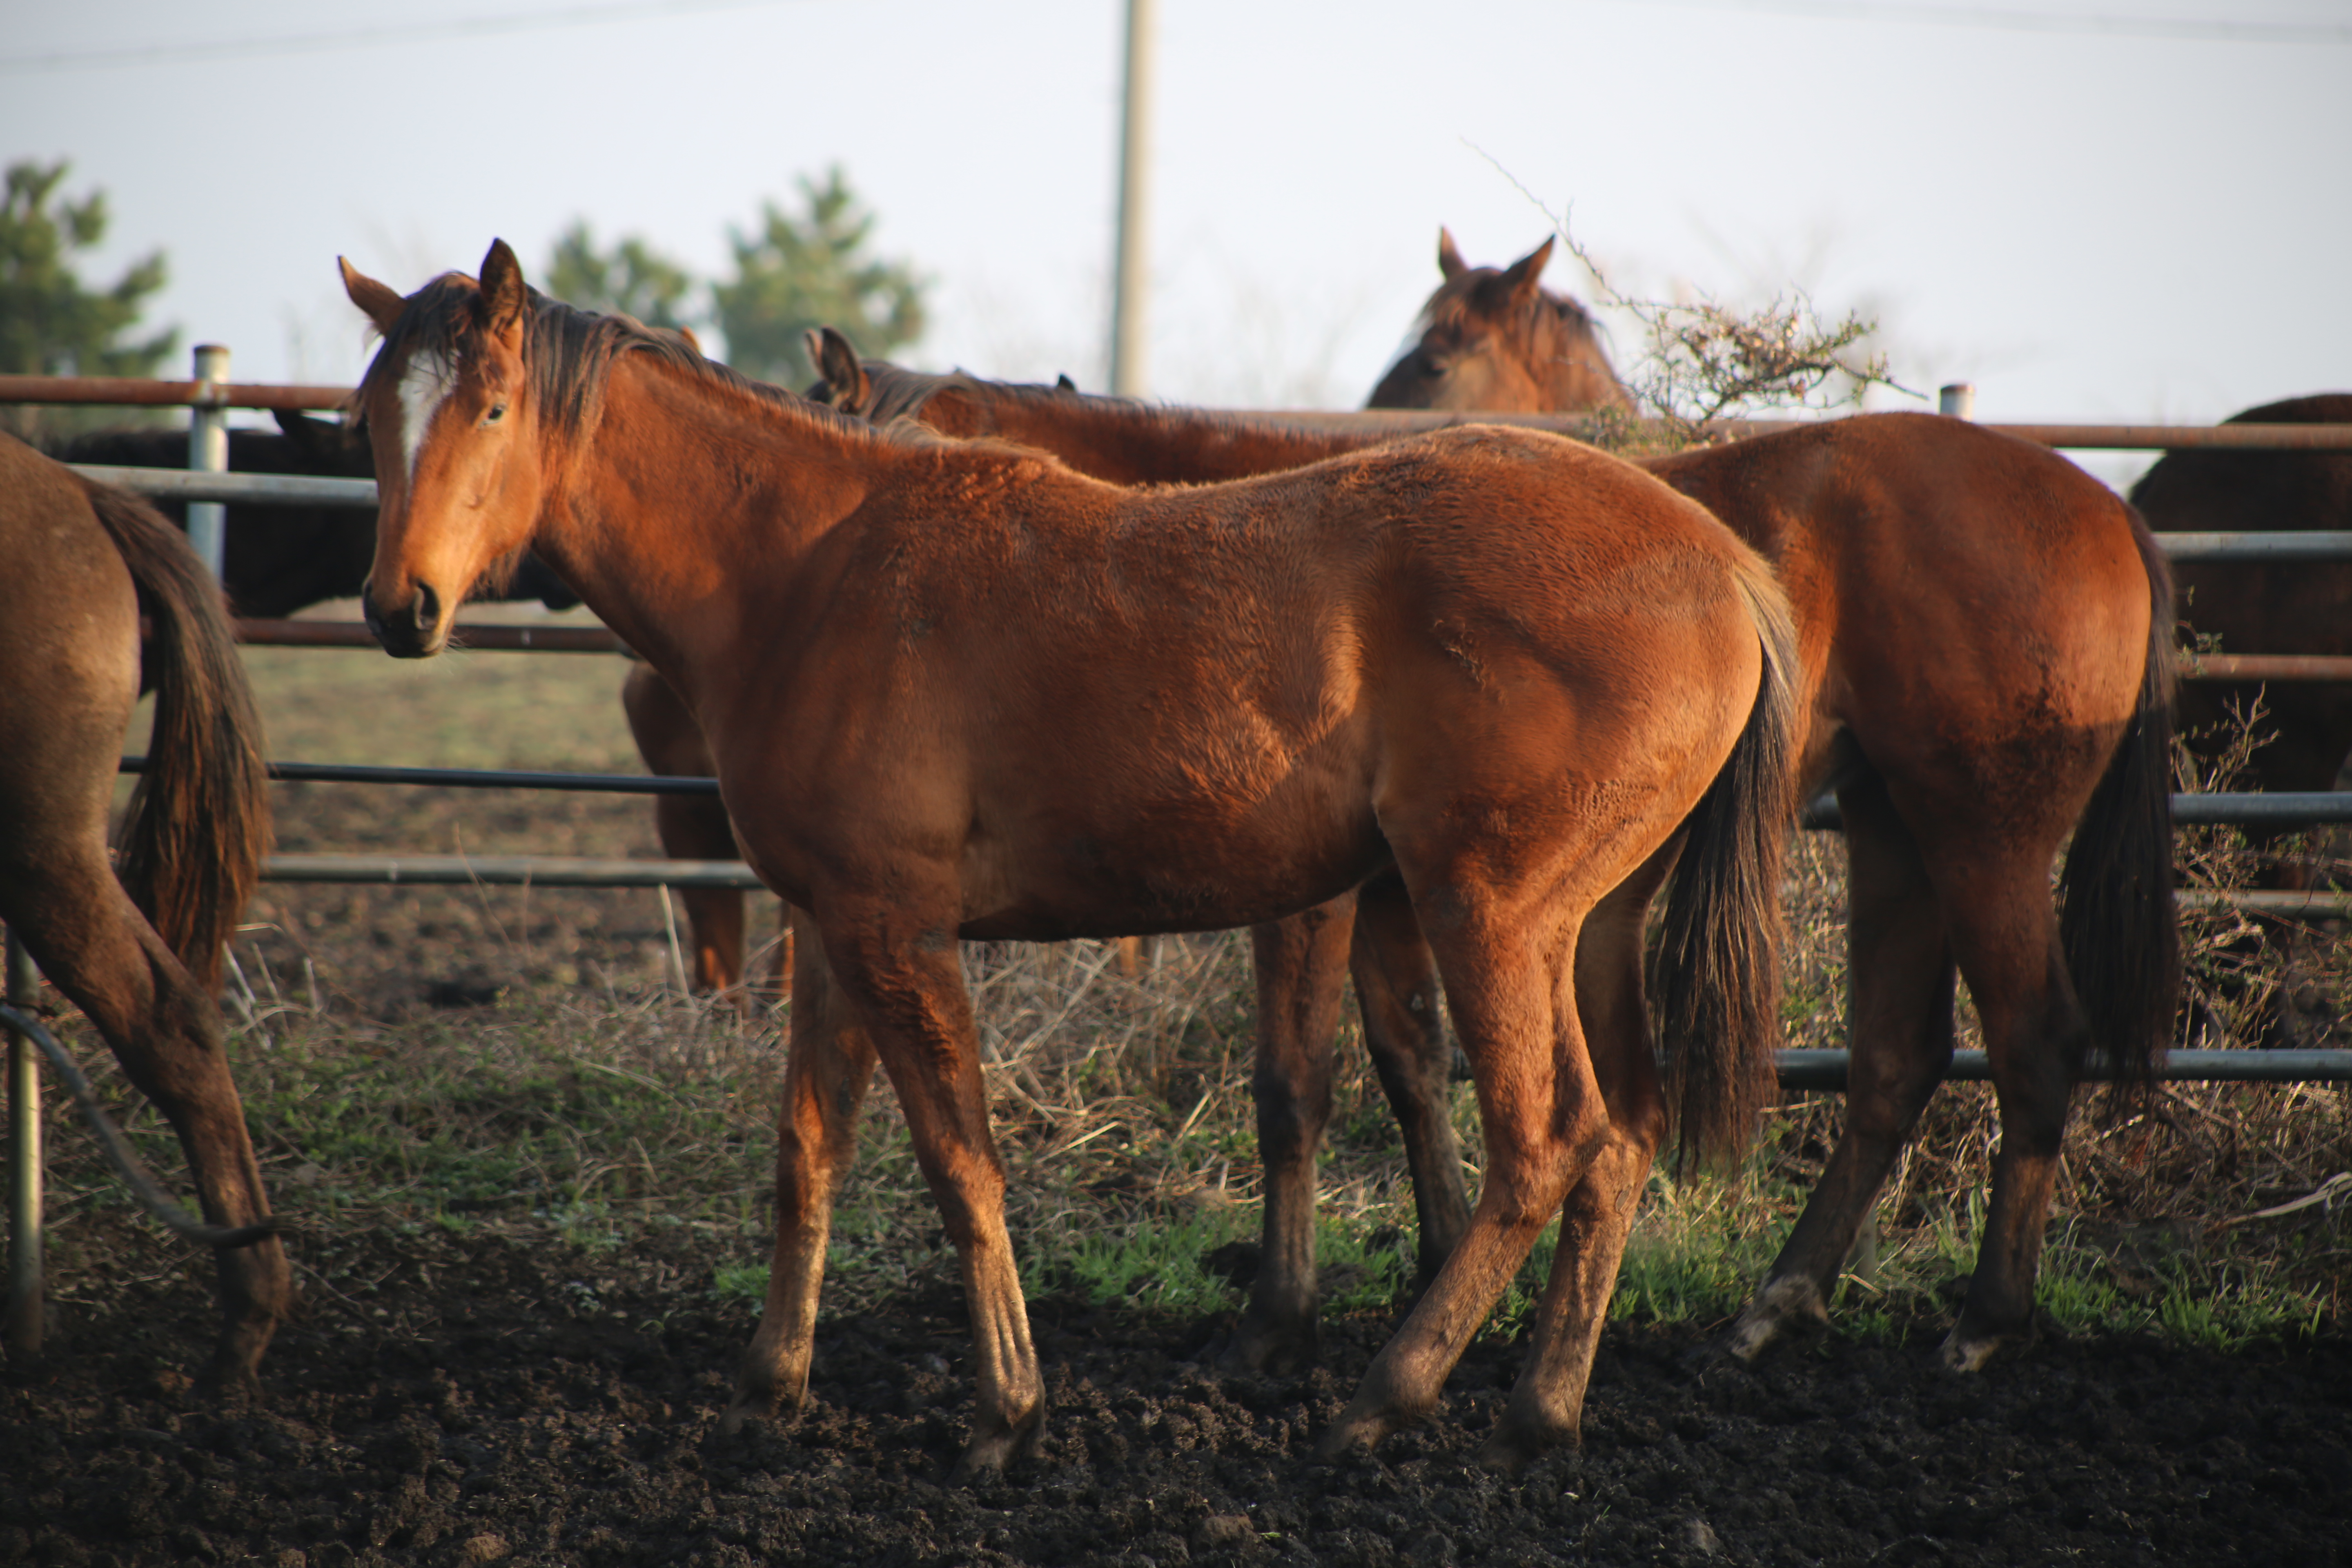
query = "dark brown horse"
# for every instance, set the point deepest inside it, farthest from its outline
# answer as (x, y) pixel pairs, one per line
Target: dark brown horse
(142, 955)
(278, 559)
(1987, 636)
(1519, 672)
(2298, 607)
(2290, 607)
(1499, 340)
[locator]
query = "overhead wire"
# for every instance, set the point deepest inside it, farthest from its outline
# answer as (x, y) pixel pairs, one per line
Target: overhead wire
(2184, 28)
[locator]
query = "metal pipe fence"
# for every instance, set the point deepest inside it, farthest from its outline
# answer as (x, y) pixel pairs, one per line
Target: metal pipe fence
(211, 393)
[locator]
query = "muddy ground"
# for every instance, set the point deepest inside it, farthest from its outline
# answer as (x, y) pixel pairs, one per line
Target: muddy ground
(497, 1398)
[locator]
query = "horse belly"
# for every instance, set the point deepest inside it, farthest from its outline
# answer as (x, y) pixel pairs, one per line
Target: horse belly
(1185, 865)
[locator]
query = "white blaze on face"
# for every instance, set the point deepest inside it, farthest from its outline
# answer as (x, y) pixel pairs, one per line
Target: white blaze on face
(425, 383)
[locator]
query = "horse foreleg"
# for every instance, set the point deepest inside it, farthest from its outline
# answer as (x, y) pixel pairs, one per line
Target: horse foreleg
(1899, 977)
(95, 948)
(1299, 962)
(1396, 988)
(2005, 931)
(1541, 1114)
(830, 1064)
(691, 827)
(897, 960)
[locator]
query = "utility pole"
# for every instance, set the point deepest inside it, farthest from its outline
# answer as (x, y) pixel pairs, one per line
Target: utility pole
(1129, 285)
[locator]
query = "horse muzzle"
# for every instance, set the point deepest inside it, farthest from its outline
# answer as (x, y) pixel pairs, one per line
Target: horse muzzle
(415, 632)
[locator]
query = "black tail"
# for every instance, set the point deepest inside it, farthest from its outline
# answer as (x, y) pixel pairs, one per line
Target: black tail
(2116, 919)
(1717, 972)
(199, 820)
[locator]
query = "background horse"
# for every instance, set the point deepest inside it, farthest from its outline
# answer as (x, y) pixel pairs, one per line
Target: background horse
(1508, 665)
(278, 559)
(1499, 340)
(1988, 666)
(2247, 607)
(141, 956)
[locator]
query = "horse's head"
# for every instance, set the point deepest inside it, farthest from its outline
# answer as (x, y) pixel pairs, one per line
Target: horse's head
(1496, 340)
(450, 415)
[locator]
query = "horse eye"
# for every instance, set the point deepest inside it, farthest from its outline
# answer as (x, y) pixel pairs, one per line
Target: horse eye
(497, 412)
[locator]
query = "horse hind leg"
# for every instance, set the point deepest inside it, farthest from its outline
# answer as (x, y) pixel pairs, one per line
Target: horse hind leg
(1547, 1404)
(1899, 977)
(1541, 1114)
(2005, 930)
(94, 947)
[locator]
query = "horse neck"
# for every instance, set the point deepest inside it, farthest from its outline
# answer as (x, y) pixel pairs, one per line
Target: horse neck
(677, 552)
(1131, 444)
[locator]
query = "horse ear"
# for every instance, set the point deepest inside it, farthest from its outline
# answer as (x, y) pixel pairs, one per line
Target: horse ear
(377, 300)
(503, 294)
(312, 438)
(1525, 274)
(1449, 260)
(692, 340)
(1063, 383)
(837, 361)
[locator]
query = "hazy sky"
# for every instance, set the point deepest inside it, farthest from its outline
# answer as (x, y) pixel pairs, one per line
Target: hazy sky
(2092, 208)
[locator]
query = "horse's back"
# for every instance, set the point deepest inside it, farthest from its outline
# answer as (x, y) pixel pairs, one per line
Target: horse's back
(1941, 568)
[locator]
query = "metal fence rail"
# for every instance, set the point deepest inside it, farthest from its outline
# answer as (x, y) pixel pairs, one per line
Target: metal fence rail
(1827, 1069)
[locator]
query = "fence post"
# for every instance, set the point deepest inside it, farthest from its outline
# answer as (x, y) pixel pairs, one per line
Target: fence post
(208, 453)
(25, 1289)
(1957, 399)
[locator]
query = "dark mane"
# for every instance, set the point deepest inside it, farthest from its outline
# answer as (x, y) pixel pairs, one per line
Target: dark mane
(571, 353)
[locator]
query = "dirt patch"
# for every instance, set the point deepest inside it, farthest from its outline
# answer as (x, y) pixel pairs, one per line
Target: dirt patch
(497, 1398)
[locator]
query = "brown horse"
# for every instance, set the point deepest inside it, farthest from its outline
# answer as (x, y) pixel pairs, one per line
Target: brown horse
(1518, 671)
(142, 955)
(1987, 635)
(1896, 534)
(1555, 355)
(1499, 340)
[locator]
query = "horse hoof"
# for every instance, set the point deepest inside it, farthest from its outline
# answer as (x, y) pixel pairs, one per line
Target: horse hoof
(1258, 1351)
(985, 1458)
(754, 1408)
(1355, 1434)
(1511, 1448)
(1967, 1351)
(1780, 1306)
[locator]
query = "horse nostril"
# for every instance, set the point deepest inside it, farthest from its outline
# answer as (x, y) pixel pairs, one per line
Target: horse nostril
(427, 609)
